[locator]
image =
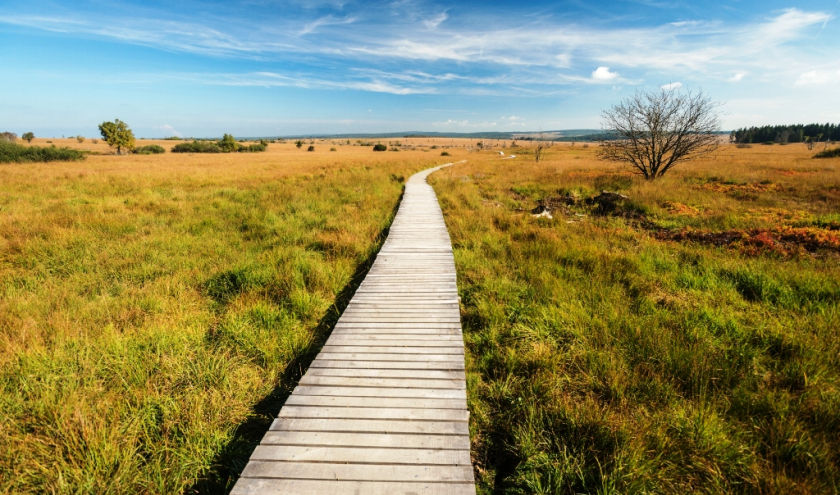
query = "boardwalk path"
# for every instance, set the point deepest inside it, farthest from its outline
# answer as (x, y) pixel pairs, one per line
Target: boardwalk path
(382, 409)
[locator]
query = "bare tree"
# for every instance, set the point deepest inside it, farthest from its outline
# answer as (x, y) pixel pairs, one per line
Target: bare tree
(653, 132)
(540, 147)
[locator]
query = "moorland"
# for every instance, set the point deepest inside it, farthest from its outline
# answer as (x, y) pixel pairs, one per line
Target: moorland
(157, 309)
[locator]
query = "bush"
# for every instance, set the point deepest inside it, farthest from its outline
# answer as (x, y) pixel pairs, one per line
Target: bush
(333, 149)
(380, 147)
(769, 143)
(444, 153)
(28, 137)
(832, 153)
(8, 137)
(228, 144)
(197, 147)
(152, 149)
(311, 148)
(80, 138)
(15, 153)
(743, 145)
(253, 148)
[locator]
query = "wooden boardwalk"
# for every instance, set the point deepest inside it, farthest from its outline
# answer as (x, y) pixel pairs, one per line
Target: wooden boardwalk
(382, 409)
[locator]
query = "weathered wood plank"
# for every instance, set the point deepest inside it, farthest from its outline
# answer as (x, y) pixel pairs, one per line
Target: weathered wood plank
(340, 381)
(391, 402)
(263, 486)
(357, 472)
(371, 426)
(404, 414)
(352, 391)
(367, 455)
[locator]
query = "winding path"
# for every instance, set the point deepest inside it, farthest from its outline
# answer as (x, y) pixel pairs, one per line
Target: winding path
(382, 409)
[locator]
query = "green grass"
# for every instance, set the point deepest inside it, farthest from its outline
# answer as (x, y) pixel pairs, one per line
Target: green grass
(152, 324)
(602, 360)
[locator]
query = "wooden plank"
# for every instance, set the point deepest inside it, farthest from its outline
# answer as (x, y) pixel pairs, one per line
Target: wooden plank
(403, 414)
(404, 342)
(367, 455)
(371, 426)
(393, 350)
(340, 381)
(376, 373)
(389, 402)
(393, 357)
(388, 365)
(351, 391)
(357, 472)
(262, 486)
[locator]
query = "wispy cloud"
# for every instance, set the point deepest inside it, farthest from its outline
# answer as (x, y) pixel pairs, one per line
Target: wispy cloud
(326, 21)
(436, 55)
(671, 86)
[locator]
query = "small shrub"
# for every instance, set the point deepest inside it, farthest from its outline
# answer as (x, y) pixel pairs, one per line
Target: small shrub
(94, 141)
(49, 142)
(444, 153)
(585, 145)
(395, 148)
(15, 153)
(743, 145)
(832, 153)
(311, 148)
(8, 137)
(298, 143)
(333, 149)
(152, 149)
(80, 138)
(253, 148)
(434, 147)
(380, 147)
(768, 143)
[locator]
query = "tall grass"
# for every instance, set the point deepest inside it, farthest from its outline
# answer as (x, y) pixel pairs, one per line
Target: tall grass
(155, 310)
(603, 360)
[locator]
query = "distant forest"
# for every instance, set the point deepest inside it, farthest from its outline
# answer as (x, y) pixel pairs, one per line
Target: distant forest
(786, 133)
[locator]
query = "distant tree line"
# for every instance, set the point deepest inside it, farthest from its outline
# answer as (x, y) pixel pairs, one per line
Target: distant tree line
(786, 134)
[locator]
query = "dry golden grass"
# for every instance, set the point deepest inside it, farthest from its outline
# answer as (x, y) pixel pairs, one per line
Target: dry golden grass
(155, 310)
(606, 357)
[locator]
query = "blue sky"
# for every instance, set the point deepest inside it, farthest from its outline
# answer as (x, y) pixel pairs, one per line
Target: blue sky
(263, 67)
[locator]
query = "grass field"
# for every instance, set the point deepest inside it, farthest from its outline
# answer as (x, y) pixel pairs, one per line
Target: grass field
(686, 342)
(156, 310)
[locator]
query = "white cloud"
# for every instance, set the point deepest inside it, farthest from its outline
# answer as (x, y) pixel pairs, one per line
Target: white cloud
(603, 74)
(326, 21)
(450, 122)
(737, 77)
(817, 77)
(435, 21)
(168, 130)
(670, 86)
